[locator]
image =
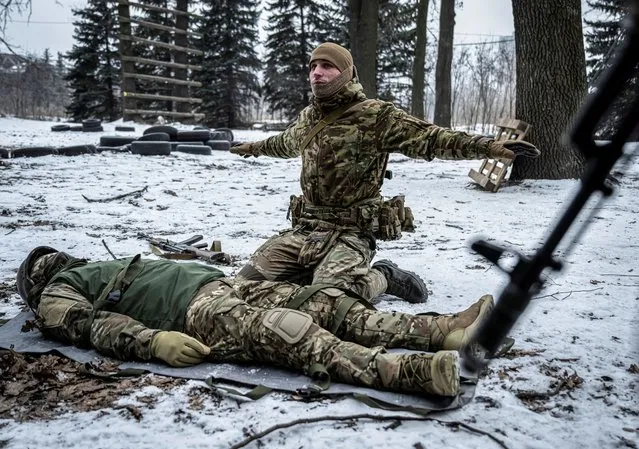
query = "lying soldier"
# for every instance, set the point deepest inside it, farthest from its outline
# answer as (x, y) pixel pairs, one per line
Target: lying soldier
(185, 313)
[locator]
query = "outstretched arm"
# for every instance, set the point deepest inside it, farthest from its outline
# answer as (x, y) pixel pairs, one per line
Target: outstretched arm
(285, 145)
(412, 137)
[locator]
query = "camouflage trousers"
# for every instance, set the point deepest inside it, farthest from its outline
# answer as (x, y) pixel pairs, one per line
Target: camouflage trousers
(336, 257)
(230, 319)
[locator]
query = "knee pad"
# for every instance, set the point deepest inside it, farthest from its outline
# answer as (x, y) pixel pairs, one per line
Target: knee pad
(289, 324)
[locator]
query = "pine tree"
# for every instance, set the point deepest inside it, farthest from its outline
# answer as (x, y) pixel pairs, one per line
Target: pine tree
(296, 27)
(95, 72)
(601, 45)
(396, 50)
(230, 86)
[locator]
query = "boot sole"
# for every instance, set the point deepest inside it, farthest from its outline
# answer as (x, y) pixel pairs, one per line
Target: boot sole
(444, 371)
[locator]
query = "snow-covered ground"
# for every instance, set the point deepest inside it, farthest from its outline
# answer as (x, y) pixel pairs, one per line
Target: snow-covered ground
(577, 344)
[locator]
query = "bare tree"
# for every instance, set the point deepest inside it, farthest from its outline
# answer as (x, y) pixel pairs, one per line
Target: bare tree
(7, 8)
(419, 69)
(549, 44)
(444, 63)
(363, 33)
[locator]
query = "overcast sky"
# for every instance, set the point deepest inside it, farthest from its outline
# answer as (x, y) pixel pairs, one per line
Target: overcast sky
(50, 25)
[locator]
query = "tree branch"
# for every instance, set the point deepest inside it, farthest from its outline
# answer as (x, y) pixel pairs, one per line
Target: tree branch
(452, 424)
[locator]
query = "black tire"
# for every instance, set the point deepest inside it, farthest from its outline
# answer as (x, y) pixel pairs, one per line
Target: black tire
(220, 145)
(5, 154)
(196, 128)
(125, 128)
(151, 148)
(76, 128)
(200, 135)
(33, 152)
(115, 141)
(222, 134)
(194, 149)
(76, 150)
(154, 137)
(121, 149)
(174, 145)
(91, 123)
(57, 128)
(93, 129)
(170, 130)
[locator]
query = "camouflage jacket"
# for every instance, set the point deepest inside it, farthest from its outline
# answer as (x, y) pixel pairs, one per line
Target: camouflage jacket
(123, 325)
(345, 162)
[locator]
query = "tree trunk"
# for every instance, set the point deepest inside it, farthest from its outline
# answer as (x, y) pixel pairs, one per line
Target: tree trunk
(419, 71)
(551, 83)
(363, 33)
(444, 63)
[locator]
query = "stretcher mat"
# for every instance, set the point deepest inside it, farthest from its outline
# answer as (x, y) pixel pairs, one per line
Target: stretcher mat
(217, 374)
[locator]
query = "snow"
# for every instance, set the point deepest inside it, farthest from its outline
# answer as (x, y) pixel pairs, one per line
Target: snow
(584, 322)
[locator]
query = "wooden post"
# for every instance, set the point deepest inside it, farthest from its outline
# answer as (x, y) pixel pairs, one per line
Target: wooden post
(126, 50)
(181, 40)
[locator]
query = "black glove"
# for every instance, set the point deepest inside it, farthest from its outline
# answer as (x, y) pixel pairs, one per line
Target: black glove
(521, 148)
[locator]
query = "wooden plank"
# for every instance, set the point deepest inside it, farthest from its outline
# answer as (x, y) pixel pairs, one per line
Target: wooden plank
(482, 180)
(168, 113)
(161, 44)
(161, 79)
(160, 9)
(174, 65)
(156, 26)
(161, 97)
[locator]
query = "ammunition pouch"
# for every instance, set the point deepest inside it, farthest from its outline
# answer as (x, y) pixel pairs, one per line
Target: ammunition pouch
(385, 220)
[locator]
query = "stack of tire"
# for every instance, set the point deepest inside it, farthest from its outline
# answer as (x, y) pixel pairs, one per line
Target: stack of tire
(161, 140)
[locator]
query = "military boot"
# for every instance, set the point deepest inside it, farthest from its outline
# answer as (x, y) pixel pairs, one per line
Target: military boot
(455, 331)
(420, 373)
(401, 283)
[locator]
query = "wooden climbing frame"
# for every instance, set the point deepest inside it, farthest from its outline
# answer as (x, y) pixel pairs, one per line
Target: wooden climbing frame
(492, 172)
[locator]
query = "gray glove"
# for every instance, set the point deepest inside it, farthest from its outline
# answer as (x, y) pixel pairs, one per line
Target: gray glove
(245, 150)
(509, 149)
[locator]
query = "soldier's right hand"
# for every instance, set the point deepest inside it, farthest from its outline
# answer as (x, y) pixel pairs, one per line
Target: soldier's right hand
(245, 150)
(178, 349)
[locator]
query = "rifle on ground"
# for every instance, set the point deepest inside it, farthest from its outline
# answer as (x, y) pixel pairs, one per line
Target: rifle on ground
(525, 277)
(186, 249)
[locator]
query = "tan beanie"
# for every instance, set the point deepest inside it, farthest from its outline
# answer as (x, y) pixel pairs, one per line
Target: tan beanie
(333, 53)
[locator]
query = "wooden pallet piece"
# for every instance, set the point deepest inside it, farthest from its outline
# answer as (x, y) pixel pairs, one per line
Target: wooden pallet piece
(492, 172)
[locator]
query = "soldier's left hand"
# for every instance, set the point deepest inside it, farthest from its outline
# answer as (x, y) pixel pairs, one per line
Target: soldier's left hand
(521, 148)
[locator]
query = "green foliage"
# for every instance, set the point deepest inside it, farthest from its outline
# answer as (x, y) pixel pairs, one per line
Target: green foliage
(94, 76)
(295, 28)
(230, 87)
(602, 44)
(396, 50)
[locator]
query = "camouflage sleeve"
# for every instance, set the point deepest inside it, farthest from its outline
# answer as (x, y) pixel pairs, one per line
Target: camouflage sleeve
(412, 137)
(65, 314)
(285, 145)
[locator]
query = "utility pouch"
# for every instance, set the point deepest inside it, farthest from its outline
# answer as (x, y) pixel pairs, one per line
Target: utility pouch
(295, 207)
(394, 218)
